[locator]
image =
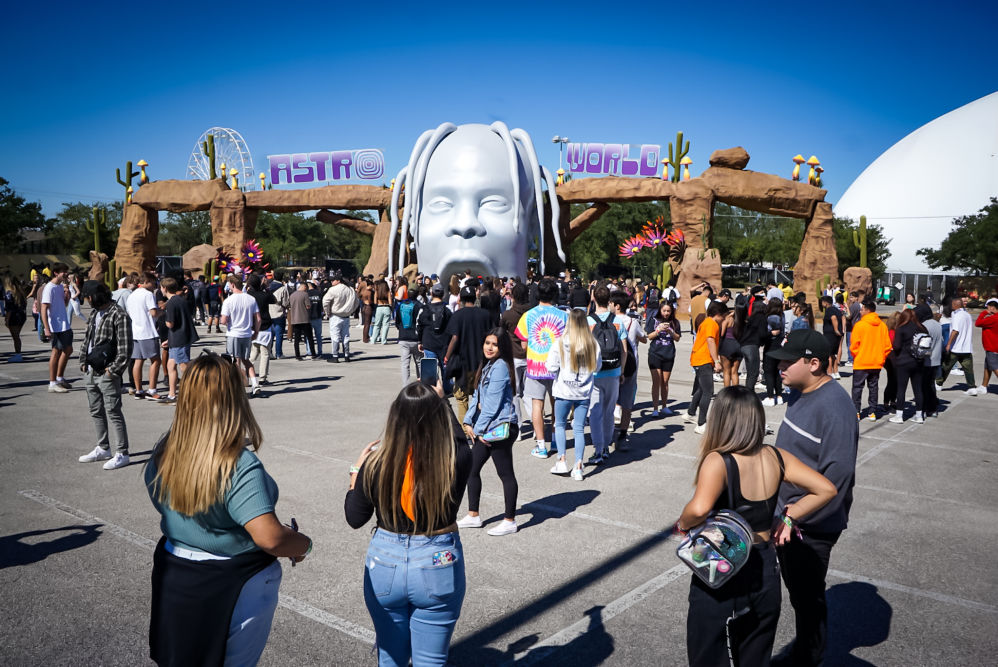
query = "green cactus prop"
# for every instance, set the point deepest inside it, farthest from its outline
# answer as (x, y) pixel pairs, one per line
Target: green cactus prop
(129, 175)
(681, 151)
(208, 148)
(859, 240)
(113, 275)
(96, 225)
(210, 270)
(662, 280)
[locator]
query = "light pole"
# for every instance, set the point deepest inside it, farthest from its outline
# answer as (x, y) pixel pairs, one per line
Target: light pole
(561, 141)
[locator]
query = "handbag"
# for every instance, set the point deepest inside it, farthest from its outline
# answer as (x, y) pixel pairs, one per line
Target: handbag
(99, 358)
(496, 433)
(719, 547)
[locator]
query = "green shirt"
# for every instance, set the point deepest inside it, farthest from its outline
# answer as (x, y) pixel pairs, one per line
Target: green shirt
(220, 530)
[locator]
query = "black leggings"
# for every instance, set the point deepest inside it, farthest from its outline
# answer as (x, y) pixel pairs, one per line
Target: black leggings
(930, 402)
(502, 457)
(914, 372)
(751, 365)
(771, 376)
(303, 330)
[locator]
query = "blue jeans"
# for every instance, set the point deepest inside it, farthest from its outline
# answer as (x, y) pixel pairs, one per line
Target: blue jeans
(317, 331)
(562, 407)
(382, 318)
(279, 327)
(252, 616)
(414, 588)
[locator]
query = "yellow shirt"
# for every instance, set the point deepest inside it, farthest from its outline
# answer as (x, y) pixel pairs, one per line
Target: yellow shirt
(701, 353)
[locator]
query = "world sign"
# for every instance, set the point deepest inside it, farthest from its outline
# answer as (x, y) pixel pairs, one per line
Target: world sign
(614, 159)
(322, 166)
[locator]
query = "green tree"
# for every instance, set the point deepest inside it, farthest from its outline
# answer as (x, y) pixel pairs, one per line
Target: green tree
(748, 237)
(347, 244)
(16, 214)
(67, 233)
(972, 245)
(179, 232)
(290, 238)
(877, 246)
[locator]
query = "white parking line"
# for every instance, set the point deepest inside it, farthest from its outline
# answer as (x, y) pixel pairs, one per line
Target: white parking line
(932, 445)
(919, 496)
(543, 649)
(286, 601)
(911, 590)
(312, 455)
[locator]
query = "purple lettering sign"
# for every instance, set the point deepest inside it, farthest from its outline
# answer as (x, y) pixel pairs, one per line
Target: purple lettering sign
(322, 166)
(613, 159)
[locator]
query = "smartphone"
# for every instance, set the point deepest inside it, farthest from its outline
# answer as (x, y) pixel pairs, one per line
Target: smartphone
(429, 372)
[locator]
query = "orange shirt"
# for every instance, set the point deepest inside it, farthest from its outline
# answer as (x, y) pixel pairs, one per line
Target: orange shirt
(701, 353)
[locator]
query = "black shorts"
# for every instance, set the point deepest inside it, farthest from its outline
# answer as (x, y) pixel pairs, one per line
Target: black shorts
(214, 308)
(730, 349)
(833, 341)
(658, 363)
(62, 340)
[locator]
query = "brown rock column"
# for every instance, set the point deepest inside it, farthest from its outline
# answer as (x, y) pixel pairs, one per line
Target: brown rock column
(377, 263)
(231, 221)
(818, 257)
(692, 271)
(691, 204)
(137, 239)
(858, 279)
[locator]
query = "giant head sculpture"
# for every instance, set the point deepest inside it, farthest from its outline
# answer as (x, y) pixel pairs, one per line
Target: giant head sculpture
(473, 200)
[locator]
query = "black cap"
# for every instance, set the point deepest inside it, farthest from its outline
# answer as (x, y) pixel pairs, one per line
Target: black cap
(725, 292)
(437, 290)
(803, 343)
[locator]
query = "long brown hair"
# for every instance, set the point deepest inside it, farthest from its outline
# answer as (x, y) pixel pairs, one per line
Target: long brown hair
(505, 346)
(906, 316)
(212, 425)
(736, 424)
(419, 422)
(381, 292)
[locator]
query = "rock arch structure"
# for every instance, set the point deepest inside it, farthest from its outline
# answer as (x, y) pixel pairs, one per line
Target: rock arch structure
(234, 213)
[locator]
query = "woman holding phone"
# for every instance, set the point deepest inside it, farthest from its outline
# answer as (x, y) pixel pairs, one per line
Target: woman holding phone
(491, 426)
(663, 332)
(736, 623)
(413, 482)
(215, 576)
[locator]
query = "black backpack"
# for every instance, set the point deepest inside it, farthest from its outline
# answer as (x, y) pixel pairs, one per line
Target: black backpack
(608, 339)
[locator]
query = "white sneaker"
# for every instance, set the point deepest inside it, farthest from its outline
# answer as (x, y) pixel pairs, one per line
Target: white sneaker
(97, 455)
(701, 429)
(918, 419)
(57, 389)
(896, 419)
(718, 377)
(779, 400)
(616, 414)
(957, 371)
(759, 386)
(836, 376)
(971, 392)
(982, 391)
(470, 522)
(768, 402)
(560, 468)
(504, 528)
(577, 473)
(689, 419)
(119, 461)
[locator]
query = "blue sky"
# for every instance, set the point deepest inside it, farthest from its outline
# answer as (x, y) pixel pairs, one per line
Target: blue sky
(92, 86)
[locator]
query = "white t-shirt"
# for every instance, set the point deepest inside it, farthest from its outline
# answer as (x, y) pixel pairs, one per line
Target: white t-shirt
(55, 296)
(240, 309)
(140, 302)
(963, 324)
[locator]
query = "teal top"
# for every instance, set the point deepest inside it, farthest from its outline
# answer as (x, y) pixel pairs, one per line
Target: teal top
(220, 530)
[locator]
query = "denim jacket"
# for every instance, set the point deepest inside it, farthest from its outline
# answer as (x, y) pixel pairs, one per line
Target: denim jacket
(492, 402)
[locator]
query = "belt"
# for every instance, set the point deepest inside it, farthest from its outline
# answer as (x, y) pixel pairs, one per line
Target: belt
(189, 554)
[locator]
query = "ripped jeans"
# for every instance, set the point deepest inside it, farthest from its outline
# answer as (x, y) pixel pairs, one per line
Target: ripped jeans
(414, 588)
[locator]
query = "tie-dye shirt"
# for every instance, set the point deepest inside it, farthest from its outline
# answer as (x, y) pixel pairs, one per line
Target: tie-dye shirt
(540, 326)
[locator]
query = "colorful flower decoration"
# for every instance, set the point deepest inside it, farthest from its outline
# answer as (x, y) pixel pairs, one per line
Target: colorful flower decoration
(677, 245)
(654, 236)
(252, 252)
(225, 262)
(632, 246)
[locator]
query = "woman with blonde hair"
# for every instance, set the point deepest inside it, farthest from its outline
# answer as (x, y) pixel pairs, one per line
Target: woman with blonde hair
(575, 357)
(413, 482)
(215, 575)
(739, 618)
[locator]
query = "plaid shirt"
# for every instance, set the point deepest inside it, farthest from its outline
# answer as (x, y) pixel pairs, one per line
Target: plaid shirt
(115, 325)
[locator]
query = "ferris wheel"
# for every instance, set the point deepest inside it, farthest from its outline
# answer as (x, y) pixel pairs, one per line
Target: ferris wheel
(230, 150)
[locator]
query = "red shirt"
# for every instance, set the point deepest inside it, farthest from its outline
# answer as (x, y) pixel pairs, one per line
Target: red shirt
(989, 334)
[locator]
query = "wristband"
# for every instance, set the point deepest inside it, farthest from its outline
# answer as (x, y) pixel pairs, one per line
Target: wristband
(354, 470)
(309, 550)
(787, 520)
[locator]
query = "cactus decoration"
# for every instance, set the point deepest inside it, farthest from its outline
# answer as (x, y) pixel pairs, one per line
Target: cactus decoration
(681, 151)
(113, 275)
(127, 182)
(859, 240)
(210, 270)
(208, 148)
(96, 225)
(662, 280)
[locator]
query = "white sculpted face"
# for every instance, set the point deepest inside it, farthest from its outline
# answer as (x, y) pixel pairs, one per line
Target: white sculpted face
(468, 207)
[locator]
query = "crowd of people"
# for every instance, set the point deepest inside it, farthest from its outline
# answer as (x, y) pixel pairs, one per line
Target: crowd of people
(507, 352)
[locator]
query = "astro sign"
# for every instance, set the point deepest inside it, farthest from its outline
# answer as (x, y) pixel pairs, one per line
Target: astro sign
(295, 168)
(614, 159)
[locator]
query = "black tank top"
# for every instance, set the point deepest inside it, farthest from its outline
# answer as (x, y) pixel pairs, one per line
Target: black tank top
(758, 513)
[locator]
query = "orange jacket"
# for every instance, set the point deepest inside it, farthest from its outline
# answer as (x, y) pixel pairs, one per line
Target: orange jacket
(870, 343)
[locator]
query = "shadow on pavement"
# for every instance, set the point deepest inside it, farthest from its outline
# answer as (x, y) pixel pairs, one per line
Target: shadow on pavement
(472, 649)
(640, 446)
(14, 552)
(541, 509)
(857, 616)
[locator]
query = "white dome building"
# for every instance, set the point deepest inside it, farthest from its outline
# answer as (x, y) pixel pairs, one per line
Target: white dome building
(945, 169)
